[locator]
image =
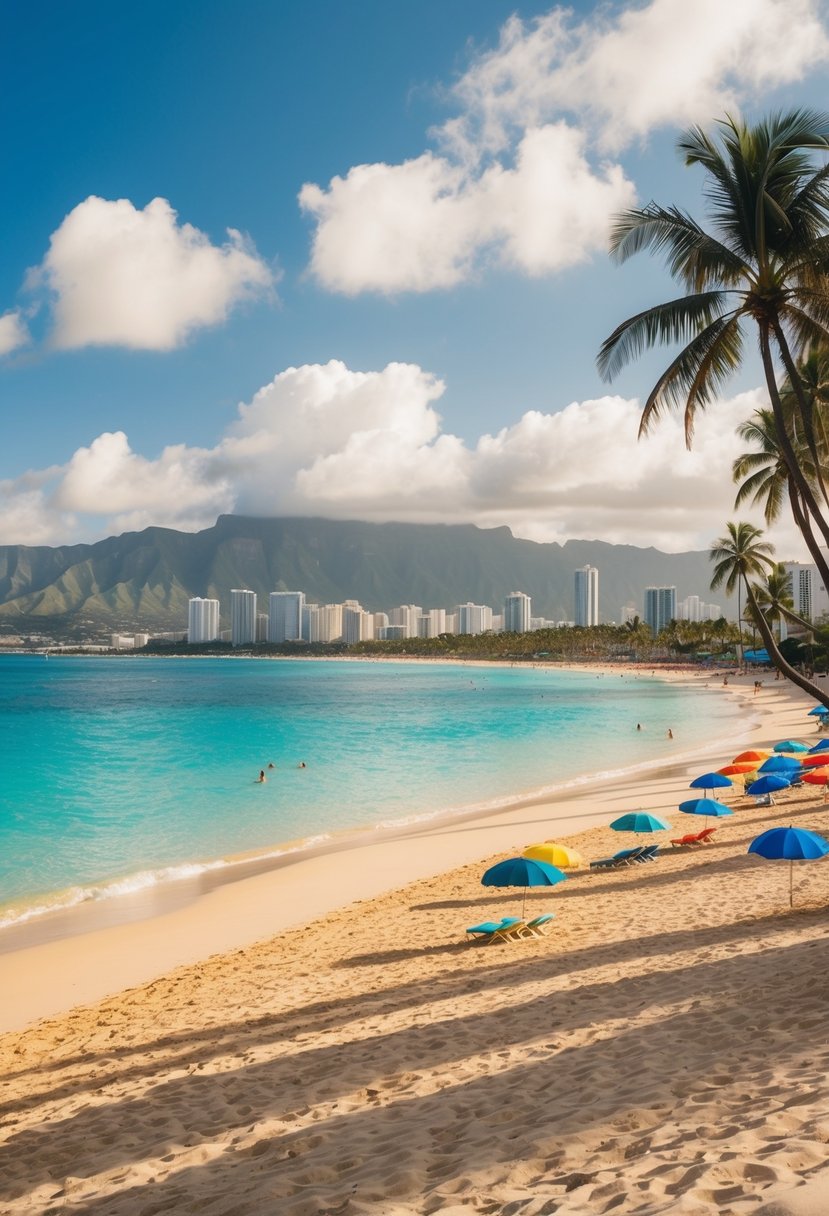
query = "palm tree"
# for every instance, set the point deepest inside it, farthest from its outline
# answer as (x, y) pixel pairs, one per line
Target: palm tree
(739, 557)
(774, 599)
(765, 264)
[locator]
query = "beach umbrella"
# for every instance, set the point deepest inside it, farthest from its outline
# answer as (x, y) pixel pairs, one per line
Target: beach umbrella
(736, 770)
(522, 872)
(554, 854)
(780, 764)
(639, 821)
(704, 806)
(710, 781)
(819, 747)
(769, 784)
(789, 844)
(816, 776)
(790, 745)
(814, 761)
(819, 711)
(751, 755)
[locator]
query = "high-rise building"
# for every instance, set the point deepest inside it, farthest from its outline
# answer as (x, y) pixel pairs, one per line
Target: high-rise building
(242, 617)
(808, 593)
(432, 623)
(517, 612)
(285, 616)
(324, 622)
(660, 607)
(202, 620)
(587, 596)
(408, 616)
(358, 625)
(473, 618)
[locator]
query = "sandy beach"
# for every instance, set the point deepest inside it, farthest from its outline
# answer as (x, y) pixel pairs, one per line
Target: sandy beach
(323, 1039)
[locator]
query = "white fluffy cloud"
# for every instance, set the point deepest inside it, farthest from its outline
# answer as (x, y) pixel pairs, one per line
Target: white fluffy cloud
(121, 276)
(14, 332)
(325, 440)
(523, 179)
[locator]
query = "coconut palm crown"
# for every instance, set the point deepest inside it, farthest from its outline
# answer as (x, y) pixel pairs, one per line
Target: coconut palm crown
(763, 267)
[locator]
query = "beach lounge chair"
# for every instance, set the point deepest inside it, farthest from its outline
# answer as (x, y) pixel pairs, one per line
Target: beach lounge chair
(622, 858)
(538, 926)
(706, 835)
(692, 838)
(649, 853)
(495, 930)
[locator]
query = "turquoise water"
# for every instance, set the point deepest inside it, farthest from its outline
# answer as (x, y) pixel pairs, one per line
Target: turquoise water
(123, 772)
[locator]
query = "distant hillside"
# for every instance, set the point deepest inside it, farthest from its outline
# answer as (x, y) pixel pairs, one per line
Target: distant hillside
(146, 578)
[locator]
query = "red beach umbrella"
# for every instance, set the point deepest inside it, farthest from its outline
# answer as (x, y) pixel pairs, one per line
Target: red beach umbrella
(733, 770)
(818, 760)
(751, 755)
(816, 777)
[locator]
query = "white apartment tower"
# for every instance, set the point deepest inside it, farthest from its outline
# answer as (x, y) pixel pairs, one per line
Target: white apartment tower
(242, 617)
(587, 596)
(202, 620)
(517, 612)
(285, 616)
(474, 618)
(407, 616)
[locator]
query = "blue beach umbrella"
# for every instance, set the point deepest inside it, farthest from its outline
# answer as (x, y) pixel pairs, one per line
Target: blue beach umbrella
(819, 711)
(522, 872)
(704, 806)
(790, 745)
(784, 765)
(769, 784)
(710, 781)
(819, 747)
(789, 844)
(639, 821)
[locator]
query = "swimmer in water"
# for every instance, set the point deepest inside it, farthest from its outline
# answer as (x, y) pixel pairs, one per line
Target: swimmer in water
(271, 765)
(302, 764)
(670, 733)
(261, 777)
(638, 725)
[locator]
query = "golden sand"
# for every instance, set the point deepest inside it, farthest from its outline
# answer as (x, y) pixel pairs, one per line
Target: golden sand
(663, 1049)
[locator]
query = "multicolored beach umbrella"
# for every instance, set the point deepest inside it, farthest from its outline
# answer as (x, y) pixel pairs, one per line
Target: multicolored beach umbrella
(639, 821)
(789, 844)
(704, 806)
(522, 872)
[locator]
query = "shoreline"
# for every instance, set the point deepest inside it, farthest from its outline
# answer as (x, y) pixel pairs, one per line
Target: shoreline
(99, 947)
(658, 1053)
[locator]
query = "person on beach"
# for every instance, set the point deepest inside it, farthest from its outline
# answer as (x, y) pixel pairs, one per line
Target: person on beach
(638, 725)
(670, 733)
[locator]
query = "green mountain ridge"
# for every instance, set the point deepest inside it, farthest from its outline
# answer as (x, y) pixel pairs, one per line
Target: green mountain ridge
(143, 580)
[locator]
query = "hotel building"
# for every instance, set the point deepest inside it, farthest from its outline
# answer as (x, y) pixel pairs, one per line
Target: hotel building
(202, 620)
(587, 596)
(242, 617)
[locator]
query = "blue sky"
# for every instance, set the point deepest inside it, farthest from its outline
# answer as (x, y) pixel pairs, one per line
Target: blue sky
(372, 283)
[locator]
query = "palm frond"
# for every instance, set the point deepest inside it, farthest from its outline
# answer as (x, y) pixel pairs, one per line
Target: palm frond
(674, 321)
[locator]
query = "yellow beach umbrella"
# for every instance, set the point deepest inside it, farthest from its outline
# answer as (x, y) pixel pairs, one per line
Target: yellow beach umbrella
(554, 854)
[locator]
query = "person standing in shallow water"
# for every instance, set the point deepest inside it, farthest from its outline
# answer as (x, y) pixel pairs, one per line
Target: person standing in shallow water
(261, 777)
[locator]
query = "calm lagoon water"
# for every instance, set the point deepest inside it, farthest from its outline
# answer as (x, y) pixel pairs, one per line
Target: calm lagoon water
(118, 773)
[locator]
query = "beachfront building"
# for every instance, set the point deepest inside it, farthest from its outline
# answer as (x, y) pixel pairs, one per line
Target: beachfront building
(408, 616)
(202, 620)
(809, 595)
(432, 623)
(692, 608)
(261, 626)
(660, 607)
(242, 617)
(325, 623)
(517, 612)
(587, 596)
(357, 624)
(285, 616)
(473, 619)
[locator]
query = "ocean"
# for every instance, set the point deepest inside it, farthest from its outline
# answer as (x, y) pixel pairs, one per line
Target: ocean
(122, 773)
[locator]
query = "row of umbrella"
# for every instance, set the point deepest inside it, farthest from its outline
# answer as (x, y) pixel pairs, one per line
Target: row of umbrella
(540, 866)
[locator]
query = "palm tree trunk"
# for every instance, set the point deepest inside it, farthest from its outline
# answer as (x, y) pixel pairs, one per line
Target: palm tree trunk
(808, 502)
(780, 663)
(806, 408)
